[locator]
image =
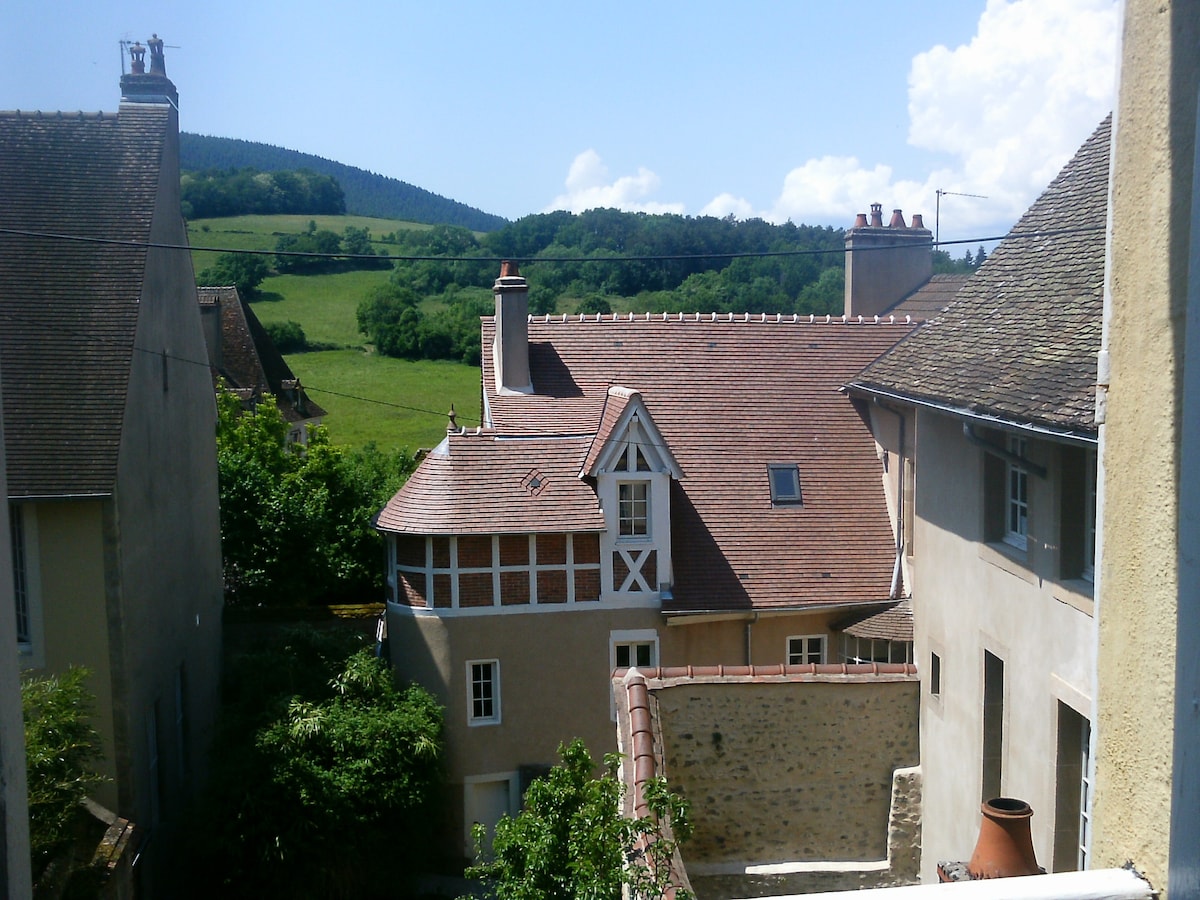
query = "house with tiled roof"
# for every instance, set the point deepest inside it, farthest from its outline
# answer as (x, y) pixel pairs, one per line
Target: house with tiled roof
(988, 411)
(246, 361)
(108, 426)
(644, 490)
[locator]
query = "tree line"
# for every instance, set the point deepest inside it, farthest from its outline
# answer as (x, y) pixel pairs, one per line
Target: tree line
(367, 194)
(211, 193)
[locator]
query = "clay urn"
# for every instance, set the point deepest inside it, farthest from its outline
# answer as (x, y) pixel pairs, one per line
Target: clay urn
(1005, 846)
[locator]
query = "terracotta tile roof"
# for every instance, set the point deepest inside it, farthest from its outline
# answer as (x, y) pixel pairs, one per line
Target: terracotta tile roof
(729, 396)
(1019, 342)
(249, 360)
(70, 308)
(892, 624)
(482, 483)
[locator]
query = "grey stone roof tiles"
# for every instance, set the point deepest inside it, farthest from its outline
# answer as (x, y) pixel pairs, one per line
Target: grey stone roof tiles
(249, 358)
(69, 308)
(1019, 342)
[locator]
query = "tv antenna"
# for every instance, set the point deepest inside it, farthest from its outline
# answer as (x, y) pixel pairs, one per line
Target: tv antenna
(937, 216)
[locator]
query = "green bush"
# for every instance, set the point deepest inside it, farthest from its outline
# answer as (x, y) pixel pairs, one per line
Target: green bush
(61, 749)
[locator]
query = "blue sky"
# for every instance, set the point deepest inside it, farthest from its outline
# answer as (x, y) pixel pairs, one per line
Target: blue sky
(804, 110)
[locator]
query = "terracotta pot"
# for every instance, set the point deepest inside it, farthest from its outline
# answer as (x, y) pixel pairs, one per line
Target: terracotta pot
(1005, 846)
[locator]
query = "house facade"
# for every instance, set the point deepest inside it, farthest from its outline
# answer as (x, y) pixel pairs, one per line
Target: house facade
(109, 417)
(644, 491)
(987, 414)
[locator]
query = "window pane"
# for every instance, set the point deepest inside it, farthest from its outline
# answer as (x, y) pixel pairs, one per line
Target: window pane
(643, 655)
(622, 656)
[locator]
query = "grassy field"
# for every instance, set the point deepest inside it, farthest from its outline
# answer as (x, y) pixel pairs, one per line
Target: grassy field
(403, 404)
(261, 232)
(392, 402)
(324, 305)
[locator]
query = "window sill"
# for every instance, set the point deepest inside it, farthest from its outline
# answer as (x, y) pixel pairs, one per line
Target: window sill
(1008, 558)
(1076, 593)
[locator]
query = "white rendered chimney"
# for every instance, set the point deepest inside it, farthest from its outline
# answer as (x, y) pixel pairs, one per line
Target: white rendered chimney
(510, 350)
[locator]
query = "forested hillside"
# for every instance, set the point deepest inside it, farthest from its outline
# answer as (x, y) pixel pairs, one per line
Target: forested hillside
(366, 193)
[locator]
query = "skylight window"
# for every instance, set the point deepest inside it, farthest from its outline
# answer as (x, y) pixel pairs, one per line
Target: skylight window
(785, 484)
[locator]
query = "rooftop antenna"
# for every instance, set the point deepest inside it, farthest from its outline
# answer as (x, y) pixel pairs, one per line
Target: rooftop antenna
(937, 217)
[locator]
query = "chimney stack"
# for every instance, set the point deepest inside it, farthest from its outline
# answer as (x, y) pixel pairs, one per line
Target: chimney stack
(140, 86)
(510, 348)
(885, 264)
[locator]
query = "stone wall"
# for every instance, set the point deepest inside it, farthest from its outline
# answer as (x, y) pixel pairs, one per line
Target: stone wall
(785, 776)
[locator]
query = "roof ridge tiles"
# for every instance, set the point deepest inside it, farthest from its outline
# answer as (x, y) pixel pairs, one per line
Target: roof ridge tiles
(728, 318)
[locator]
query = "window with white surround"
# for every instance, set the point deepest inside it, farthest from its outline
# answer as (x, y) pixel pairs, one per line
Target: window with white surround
(633, 509)
(483, 692)
(935, 675)
(1017, 506)
(23, 533)
(785, 484)
(633, 648)
(803, 649)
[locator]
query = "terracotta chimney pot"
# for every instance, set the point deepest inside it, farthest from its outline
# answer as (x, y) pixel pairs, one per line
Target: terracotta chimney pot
(897, 219)
(1005, 846)
(918, 221)
(877, 215)
(508, 269)
(860, 220)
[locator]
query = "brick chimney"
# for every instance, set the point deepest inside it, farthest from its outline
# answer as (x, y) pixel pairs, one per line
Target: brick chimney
(140, 86)
(884, 264)
(510, 349)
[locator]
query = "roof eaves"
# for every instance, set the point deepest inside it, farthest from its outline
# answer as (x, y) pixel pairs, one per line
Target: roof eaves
(1065, 435)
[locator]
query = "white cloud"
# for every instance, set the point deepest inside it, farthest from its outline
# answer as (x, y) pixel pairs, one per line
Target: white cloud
(588, 187)
(728, 205)
(1011, 107)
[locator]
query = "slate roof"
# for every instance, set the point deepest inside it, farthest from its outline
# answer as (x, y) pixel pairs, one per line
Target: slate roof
(250, 363)
(930, 298)
(1019, 342)
(68, 309)
(895, 623)
(730, 395)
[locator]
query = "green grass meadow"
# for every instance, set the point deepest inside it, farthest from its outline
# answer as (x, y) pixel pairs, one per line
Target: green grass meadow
(367, 397)
(393, 402)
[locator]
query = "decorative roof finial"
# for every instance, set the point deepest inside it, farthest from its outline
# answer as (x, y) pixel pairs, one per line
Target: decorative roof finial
(453, 416)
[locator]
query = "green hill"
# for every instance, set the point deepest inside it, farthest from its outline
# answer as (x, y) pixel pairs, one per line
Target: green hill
(367, 194)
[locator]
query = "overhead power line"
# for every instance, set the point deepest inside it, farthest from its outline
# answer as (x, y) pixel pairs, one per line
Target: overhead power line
(663, 257)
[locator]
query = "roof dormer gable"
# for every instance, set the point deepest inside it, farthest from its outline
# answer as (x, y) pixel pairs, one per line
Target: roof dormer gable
(628, 440)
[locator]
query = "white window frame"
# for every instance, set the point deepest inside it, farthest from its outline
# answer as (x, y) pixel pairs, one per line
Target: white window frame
(806, 652)
(780, 498)
(627, 510)
(23, 525)
(631, 638)
(1016, 495)
(493, 667)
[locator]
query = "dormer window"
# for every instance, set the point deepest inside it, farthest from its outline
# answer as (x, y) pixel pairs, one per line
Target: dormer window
(785, 484)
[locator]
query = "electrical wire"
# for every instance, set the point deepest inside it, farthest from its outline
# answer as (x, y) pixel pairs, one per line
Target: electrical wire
(664, 257)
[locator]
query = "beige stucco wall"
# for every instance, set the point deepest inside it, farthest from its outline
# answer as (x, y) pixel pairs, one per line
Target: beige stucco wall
(70, 559)
(969, 597)
(722, 640)
(789, 771)
(1147, 283)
